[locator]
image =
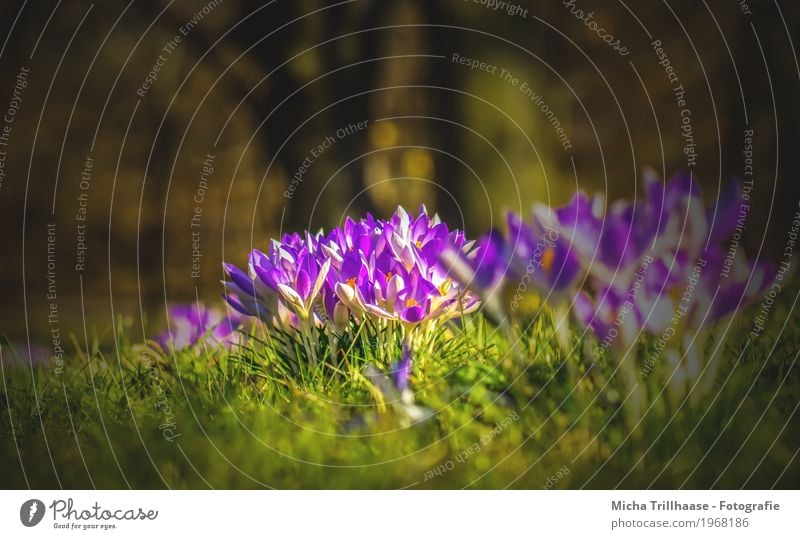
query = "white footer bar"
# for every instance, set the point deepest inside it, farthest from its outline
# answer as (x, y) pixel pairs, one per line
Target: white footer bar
(399, 514)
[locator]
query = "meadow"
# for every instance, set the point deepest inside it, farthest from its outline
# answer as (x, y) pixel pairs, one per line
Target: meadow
(492, 409)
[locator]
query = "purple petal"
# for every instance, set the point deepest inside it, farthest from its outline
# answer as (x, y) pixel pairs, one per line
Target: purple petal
(402, 370)
(241, 279)
(725, 214)
(413, 314)
(303, 283)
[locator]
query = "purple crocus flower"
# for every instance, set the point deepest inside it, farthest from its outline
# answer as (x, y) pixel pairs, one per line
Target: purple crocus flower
(482, 267)
(669, 266)
(415, 241)
(748, 282)
(682, 219)
(382, 269)
(541, 253)
(536, 252)
(18, 353)
(392, 270)
(613, 318)
(691, 264)
(698, 292)
(282, 285)
(191, 324)
(608, 244)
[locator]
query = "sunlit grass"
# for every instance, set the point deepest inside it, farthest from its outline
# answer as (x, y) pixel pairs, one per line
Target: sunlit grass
(510, 408)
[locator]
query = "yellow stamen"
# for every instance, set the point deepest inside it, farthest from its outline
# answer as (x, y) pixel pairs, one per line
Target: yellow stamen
(444, 287)
(351, 282)
(547, 259)
(411, 302)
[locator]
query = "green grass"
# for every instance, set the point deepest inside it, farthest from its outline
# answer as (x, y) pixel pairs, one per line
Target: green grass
(531, 417)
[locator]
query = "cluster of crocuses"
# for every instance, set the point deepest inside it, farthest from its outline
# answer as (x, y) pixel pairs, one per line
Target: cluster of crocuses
(657, 266)
(388, 271)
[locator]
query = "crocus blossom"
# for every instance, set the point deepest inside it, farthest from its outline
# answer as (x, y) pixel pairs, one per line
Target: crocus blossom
(542, 254)
(192, 324)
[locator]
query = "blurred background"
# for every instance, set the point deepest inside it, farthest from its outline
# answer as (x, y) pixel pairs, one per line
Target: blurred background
(144, 142)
